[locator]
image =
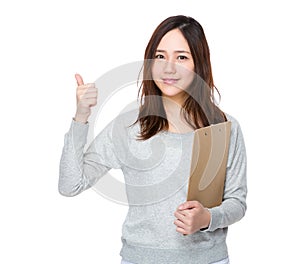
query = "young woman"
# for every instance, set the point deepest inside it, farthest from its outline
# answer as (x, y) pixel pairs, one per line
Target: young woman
(153, 147)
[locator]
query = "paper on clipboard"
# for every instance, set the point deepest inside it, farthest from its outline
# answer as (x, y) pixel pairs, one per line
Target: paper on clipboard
(208, 164)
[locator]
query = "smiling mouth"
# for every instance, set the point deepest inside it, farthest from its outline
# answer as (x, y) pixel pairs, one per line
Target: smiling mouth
(170, 81)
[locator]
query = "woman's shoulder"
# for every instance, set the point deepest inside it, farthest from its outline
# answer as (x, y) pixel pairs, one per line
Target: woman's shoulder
(235, 124)
(236, 130)
(232, 119)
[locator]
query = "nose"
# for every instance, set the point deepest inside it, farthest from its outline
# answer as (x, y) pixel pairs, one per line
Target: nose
(169, 67)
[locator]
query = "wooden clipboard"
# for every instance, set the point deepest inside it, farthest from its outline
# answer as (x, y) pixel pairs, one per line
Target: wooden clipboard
(208, 164)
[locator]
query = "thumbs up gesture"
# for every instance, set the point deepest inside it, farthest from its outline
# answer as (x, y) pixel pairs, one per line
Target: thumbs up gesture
(86, 97)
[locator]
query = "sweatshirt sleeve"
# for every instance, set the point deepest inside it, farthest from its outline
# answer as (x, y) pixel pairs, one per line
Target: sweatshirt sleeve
(79, 170)
(234, 206)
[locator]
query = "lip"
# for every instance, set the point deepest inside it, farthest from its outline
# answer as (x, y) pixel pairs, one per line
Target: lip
(170, 81)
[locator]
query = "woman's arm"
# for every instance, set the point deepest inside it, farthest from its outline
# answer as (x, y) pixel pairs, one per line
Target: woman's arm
(234, 206)
(80, 170)
(191, 216)
(72, 180)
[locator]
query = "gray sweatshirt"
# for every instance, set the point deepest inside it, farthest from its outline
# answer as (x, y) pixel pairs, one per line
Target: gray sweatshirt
(156, 179)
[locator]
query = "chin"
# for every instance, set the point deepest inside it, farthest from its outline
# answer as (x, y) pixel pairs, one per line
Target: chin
(177, 95)
(168, 90)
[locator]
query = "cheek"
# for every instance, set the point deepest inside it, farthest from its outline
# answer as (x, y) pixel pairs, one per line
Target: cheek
(190, 77)
(156, 71)
(187, 75)
(155, 74)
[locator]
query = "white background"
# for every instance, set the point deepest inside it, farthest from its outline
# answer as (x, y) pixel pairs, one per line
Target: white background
(255, 59)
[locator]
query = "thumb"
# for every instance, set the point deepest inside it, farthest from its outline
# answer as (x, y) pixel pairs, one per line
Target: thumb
(188, 205)
(79, 79)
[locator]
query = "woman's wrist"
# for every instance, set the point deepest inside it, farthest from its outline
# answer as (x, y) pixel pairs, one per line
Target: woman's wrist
(81, 118)
(207, 217)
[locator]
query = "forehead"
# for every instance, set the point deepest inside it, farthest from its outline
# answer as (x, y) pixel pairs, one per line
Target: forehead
(173, 40)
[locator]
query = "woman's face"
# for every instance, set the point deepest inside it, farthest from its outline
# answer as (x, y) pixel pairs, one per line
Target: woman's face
(173, 67)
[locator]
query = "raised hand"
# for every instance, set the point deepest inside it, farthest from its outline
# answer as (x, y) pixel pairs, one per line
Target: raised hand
(86, 96)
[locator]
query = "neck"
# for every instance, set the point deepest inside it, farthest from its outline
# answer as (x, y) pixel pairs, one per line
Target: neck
(175, 117)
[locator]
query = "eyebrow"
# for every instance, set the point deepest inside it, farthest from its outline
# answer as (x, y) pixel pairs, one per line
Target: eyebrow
(176, 51)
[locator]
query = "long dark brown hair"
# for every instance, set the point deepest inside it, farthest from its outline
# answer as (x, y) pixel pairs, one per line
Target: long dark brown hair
(199, 109)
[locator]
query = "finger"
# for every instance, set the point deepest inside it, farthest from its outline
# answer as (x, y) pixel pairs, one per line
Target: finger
(87, 95)
(86, 88)
(180, 215)
(189, 205)
(79, 79)
(179, 223)
(83, 91)
(88, 102)
(181, 231)
(90, 96)
(90, 85)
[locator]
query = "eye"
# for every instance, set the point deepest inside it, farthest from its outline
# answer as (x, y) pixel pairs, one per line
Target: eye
(159, 56)
(182, 57)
